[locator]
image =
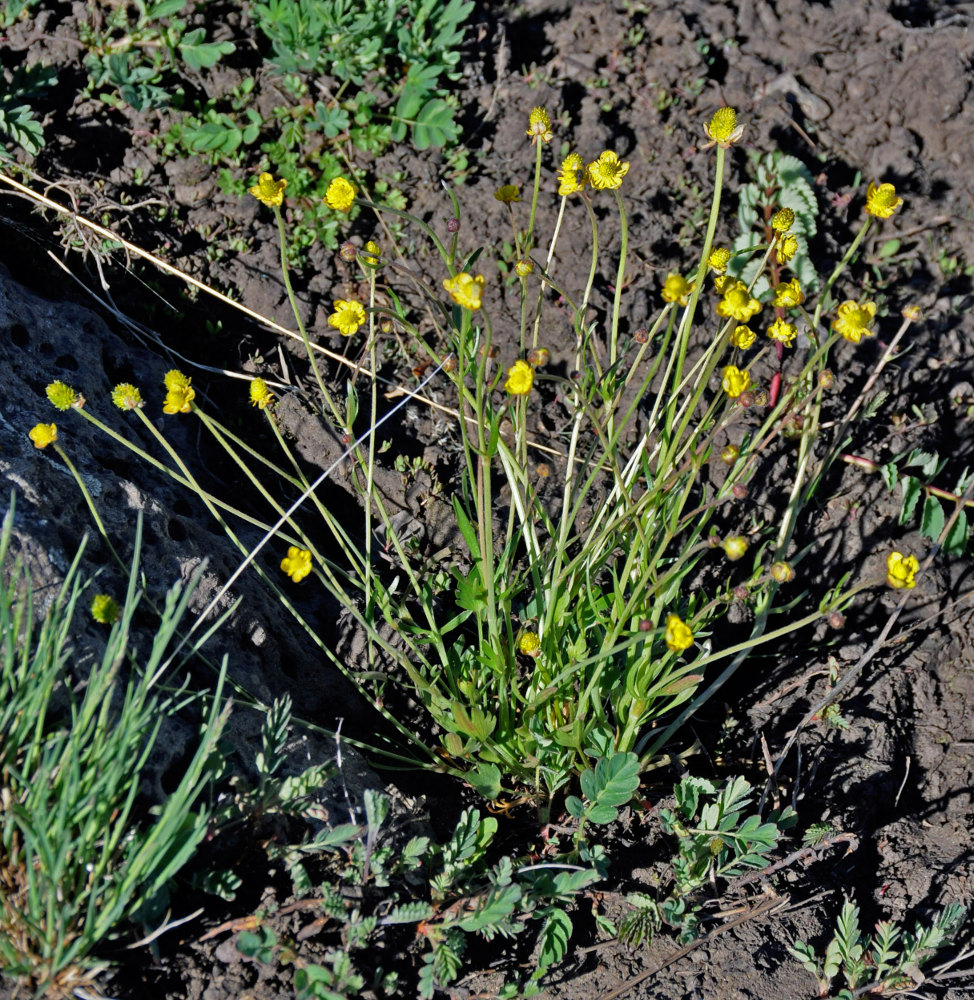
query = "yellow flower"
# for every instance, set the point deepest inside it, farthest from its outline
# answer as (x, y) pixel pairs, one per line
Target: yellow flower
(297, 563)
(508, 193)
(607, 171)
(523, 268)
(783, 332)
(722, 129)
(340, 194)
(722, 282)
(465, 289)
(175, 379)
(719, 259)
(368, 258)
(742, 337)
(348, 316)
(738, 303)
(269, 191)
(529, 644)
(882, 201)
(853, 320)
(127, 397)
(568, 179)
(734, 547)
(539, 126)
(260, 395)
(788, 294)
(786, 247)
(63, 397)
(678, 635)
(735, 381)
(520, 378)
(782, 220)
(104, 609)
(901, 570)
(676, 289)
(179, 398)
(43, 434)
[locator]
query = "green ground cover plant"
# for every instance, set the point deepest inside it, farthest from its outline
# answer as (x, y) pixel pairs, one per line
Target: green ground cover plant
(75, 862)
(581, 628)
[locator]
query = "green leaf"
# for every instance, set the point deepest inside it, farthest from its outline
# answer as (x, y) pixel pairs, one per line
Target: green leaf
(198, 54)
(890, 475)
(912, 488)
(890, 248)
(553, 939)
(485, 779)
(491, 916)
(932, 521)
(955, 543)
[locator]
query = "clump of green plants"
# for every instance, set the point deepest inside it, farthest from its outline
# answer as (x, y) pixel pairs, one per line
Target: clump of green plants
(18, 123)
(715, 842)
(576, 614)
(384, 892)
(887, 961)
(132, 52)
(75, 861)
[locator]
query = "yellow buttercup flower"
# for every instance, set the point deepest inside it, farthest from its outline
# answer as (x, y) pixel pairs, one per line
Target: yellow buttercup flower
(297, 563)
(735, 381)
(607, 171)
(179, 399)
(782, 220)
(901, 570)
(508, 194)
(786, 247)
(788, 294)
(853, 320)
(127, 397)
(340, 194)
(520, 378)
(719, 259)
(529, 644)
(783, 332)
(465, 289)
(42, 435)
(175, 379)
(523, 268)
(104, 609)
(676, 289)
(882, 201)
(735, 547)
(569, 181)
(678, 635)
(260, 394)
(63, 397)
(742, 337)
(738, 303)
(539, 126)
(723, 129)
(368, 256)
(269, 191)
(348, 316)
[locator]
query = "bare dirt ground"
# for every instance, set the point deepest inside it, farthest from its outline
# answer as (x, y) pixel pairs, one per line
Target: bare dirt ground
(859, 90)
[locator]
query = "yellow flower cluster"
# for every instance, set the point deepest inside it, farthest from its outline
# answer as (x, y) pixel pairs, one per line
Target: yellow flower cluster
(269, 191)
(569, 181)
(882, 200)
(735, 381)
(737, 303)
(105, 609)
(676, 288)
(607, 171)
(179, 393)
(539, 126)
(340, 195)
(723, 128)
(42, 435)
(127, 397)
(853, 320)
(520, 378)
(260, 394)
(678, 635)
(901, 570)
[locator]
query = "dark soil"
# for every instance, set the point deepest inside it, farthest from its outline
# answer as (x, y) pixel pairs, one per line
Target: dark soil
(859, 90)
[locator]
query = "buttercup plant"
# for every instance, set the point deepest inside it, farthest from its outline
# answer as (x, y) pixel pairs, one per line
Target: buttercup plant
(568, 628)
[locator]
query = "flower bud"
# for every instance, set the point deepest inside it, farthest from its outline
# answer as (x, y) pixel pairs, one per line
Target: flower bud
(741, 592)
(746, 399)
(347, 251)
(730, 454)
(837, 619)
(739, 490)
(645, 625)
(529, 644)
(450, 364)
(543, 470)
(826, 379)
(523, 268)
(783, 572)
(734, 547)
(539, 357)
(760, 397)
(912, 313)
(453, 225)
(641, 336)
